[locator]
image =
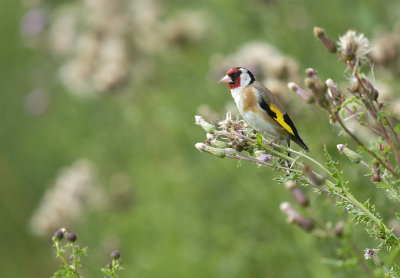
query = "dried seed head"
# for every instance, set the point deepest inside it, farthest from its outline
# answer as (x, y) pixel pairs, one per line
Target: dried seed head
(352, 155)
(354, 47)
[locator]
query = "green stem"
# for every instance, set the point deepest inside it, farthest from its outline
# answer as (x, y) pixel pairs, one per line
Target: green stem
(393, 255)
(341, 192)
(312, 160)
(251, 159)
(60, 254)
(74, 261)
(344, 193)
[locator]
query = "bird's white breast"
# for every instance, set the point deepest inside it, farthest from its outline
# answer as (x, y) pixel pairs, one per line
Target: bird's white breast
(255, 119)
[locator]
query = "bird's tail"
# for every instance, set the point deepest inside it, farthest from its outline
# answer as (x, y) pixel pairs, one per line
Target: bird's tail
(299, 142)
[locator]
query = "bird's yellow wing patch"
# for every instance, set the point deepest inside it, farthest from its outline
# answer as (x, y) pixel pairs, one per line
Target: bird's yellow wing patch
(280, 119)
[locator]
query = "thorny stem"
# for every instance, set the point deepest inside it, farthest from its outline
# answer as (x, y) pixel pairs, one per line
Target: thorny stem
(393, 255)
(345, 194)
(371, 107)
(74, 262)
(60, 254)
(222, 133)
(341, 192)
(362, 145)
(312, 160)
(251, 159)
(389, 140)
(385, 134)
(393, 131)
(317, 219)
(377, 132)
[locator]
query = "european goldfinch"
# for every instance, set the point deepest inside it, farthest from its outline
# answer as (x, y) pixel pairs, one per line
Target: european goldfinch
(260, 108)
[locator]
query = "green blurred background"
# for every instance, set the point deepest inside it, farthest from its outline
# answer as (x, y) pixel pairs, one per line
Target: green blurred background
(181, 213)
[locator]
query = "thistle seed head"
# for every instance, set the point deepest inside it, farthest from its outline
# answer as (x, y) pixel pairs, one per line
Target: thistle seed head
(353, 46)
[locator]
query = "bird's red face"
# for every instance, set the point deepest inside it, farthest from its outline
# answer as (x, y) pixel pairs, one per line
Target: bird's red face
(232, 78)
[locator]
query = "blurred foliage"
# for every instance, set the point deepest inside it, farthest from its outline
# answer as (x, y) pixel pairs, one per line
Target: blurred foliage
(189, 215)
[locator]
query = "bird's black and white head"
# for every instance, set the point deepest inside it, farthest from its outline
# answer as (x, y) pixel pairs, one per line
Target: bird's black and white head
(238, 78)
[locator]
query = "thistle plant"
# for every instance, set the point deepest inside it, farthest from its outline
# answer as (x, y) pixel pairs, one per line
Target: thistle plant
(70, 255)
(352, 107)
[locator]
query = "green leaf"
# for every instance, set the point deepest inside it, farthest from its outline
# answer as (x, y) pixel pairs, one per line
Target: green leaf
(259, 140)
(383, 185)
(397, 128)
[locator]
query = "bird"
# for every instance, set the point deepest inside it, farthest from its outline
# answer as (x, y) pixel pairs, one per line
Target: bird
(260, 108)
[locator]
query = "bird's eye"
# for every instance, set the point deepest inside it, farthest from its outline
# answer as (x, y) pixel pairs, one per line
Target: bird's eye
(235, 75)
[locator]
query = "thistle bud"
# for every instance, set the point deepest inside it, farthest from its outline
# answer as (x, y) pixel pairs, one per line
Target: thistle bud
(239, 144)
(262, 156)
(298, 194)
(115, 255)
(306, 96)
(71, 237)
(372, 254)
(314, 179)
(329, 44)
(352, 155)
(377, 173)
(319, 32)
(296, 218)
(58, 235)
(221, 153)
(209, 128)
(310, 72)
(219, 144)
(338, 229)
(333, 90)
(355, 85)
(317, 86)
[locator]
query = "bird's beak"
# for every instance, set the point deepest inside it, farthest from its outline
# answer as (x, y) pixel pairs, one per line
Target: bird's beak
(225, 79)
